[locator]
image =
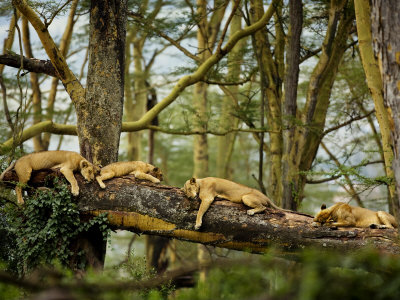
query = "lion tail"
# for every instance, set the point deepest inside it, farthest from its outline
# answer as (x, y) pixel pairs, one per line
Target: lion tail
(6, 170)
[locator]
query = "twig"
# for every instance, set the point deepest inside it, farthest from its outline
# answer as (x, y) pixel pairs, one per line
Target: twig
(166, 37)
(347, 122)
(221, 40)
(47, 24)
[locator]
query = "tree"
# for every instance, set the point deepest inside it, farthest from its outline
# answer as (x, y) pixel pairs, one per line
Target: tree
(374, 81)
(385, 29)
(99, 106)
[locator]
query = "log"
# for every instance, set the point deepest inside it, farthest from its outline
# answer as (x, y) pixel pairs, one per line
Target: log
(144, 207)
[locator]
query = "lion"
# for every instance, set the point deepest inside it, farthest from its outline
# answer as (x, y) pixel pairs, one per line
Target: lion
(210, 187)
(67, 161)
(140, 169)
(345, 215)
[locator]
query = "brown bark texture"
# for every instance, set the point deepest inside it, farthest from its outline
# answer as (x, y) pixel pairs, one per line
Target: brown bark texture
(386, 41)
(145, 207)
(100, 115)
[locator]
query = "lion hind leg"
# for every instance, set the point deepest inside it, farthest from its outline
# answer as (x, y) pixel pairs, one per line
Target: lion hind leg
(141, 175)
(104, 176)
(254, 203)
(386, 219)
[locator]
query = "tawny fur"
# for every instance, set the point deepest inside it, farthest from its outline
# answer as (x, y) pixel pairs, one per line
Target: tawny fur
(210, 187)
(140, 169)
(67, 161)
(345, 215)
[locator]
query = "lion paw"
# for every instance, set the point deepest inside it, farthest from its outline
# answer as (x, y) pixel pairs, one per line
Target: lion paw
(75, 191)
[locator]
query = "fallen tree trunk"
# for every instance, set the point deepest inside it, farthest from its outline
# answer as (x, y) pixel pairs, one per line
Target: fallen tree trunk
(144, 207)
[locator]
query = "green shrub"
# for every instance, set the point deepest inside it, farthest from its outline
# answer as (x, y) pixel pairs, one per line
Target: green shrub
(44, 228)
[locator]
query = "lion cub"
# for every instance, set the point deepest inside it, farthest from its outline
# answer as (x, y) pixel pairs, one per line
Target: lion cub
(345, 215)
(67, 161)
(140, 169)
(210, 187)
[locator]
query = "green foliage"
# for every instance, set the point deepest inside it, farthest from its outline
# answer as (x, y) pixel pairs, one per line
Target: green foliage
(311, 274)
(315, 275)
(45, 227)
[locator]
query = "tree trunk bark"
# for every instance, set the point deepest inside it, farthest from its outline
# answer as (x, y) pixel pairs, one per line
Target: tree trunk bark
(289, 106)
(374, 81)
(385, 31)
(100, 116)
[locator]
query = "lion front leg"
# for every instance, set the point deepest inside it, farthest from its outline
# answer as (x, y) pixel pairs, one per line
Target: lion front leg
(23, 177)
(205, 204)
(18, 191)
(343, 223)
(69, 175)
(104, 176)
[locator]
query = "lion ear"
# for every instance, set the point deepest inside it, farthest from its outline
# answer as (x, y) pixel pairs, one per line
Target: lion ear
(84, 164)
(192, 180)
(156, 169)
(323, 206)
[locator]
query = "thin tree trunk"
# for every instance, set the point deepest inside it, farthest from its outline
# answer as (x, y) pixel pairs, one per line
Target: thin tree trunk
(308, 136)
(227, 120)
(289, 107)
(272, 85)
(200, 147)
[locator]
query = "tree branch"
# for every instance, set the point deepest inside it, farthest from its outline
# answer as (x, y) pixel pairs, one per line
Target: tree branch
(64, 73)
(55, 128)
(348, 122)
(156, 209)
(30, 64)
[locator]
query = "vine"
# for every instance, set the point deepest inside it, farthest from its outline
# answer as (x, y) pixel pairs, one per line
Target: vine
(45, 228)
